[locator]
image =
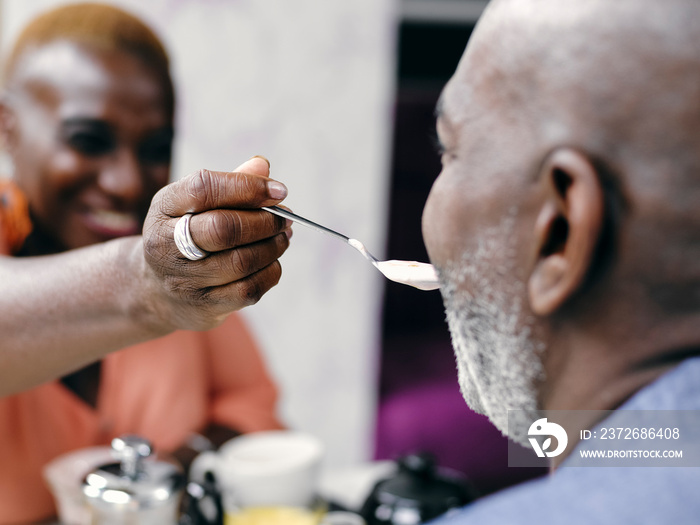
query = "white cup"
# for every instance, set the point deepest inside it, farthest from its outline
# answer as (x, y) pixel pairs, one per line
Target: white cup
(276, 468)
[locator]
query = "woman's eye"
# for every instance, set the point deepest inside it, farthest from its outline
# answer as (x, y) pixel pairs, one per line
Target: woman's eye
(156, 153)
(90, 144)
(158, 150)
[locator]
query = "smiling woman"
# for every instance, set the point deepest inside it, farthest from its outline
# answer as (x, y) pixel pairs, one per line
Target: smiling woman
(87, 118)
(90, 137)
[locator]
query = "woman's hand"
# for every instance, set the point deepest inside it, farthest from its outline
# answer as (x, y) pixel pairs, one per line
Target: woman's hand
(243, 244)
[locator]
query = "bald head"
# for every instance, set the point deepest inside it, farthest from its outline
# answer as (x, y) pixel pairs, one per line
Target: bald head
(620, 79)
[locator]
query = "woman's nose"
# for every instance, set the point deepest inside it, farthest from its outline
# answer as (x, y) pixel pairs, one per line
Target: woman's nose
(121, 176)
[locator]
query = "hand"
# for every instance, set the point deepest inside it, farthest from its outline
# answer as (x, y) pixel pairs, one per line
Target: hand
(243, 242)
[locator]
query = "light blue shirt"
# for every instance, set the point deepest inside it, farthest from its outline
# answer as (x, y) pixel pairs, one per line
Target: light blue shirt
(606, 495)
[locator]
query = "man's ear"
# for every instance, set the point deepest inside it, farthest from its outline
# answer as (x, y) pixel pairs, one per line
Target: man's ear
(567, 230)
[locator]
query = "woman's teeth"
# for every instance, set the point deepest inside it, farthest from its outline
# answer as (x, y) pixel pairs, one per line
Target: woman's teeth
(114, 220)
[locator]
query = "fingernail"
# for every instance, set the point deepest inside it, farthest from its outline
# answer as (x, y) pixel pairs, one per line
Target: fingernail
(277, 190)
(289, 233)
(261, 157)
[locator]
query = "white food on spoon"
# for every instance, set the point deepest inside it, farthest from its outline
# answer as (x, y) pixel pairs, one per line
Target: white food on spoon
(417, 274)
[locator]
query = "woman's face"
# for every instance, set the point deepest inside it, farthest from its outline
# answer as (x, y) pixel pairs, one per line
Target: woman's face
(90, 136)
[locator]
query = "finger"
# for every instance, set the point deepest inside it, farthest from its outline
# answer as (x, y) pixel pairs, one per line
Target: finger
(208, 190)
(229, 266)
(218, 230)
(247, 291)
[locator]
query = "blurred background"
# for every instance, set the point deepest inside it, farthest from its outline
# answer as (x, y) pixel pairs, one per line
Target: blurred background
(340, 96)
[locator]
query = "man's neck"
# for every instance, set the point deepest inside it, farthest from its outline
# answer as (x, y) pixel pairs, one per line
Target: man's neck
(591, 377)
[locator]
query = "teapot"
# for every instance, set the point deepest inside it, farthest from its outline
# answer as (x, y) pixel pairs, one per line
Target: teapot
(417, 493)
(138, 489)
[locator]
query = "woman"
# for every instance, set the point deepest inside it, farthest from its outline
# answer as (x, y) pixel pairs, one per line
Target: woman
(87, 120)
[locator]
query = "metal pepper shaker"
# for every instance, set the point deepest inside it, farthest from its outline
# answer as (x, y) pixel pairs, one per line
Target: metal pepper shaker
(140, 488)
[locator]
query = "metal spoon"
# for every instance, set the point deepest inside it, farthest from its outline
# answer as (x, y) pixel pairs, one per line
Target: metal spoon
(419, 275)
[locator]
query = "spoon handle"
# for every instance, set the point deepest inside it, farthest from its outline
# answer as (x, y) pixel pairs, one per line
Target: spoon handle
(306, 222)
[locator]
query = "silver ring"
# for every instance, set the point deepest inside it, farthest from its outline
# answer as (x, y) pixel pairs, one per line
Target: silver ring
(184, 242)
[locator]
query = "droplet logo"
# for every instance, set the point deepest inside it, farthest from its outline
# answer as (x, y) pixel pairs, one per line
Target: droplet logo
(542, 427)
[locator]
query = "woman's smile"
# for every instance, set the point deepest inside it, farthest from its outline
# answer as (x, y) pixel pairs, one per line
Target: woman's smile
(111, 223)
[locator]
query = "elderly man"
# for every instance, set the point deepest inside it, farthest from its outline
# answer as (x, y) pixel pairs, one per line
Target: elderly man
(565, 226)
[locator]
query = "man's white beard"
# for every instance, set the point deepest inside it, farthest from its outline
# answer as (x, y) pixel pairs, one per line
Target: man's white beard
(498, 361)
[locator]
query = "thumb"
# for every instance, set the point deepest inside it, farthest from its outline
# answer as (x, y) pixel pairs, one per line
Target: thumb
(257, 165)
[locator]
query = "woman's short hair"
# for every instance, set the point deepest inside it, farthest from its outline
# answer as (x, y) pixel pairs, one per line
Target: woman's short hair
(96, 26)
